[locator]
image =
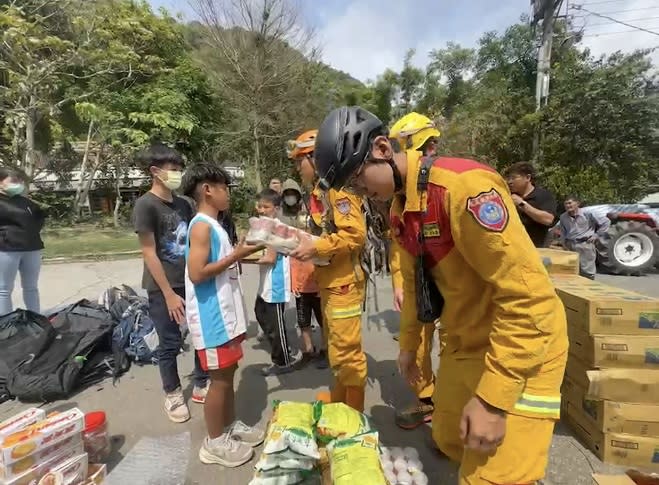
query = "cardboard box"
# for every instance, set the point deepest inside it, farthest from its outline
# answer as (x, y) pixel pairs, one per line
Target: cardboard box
(621, 385)
(17, 468)
(597, 308)
(613, 417)
(38, 470)
(71, 472)
(604, 351)
(96, 474)
(43, 434)
(557, 261)
(20, 421)
(615, 448)
(612, 480)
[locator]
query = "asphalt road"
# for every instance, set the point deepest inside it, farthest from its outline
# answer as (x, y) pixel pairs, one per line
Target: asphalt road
(135, 405)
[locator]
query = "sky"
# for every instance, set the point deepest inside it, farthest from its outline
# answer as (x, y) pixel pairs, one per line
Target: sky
(365, 37)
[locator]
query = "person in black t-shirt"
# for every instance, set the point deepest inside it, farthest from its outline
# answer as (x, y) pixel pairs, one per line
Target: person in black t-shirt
(536, 206)
(161, 221)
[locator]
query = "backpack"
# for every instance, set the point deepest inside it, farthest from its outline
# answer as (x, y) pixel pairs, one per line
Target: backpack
(78, 354)
(135, 339)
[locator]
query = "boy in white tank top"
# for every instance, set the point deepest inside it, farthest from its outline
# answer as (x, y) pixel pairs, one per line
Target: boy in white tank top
(216, 316)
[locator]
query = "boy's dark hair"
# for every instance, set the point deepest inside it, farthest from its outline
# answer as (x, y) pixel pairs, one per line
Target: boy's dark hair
(574, 198)
(203, 173)
(6, 173)
(521, 168)
(158, 154)
(271, 196)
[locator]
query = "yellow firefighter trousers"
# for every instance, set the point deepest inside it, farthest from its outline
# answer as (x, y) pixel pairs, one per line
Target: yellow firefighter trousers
(342, 311)
(425, 386)
(522, 457)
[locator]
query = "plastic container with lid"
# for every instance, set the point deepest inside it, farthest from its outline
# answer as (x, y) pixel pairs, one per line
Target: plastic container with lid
(96, 437)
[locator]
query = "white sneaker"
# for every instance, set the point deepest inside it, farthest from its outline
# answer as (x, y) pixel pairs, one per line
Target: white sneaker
(225, 451)
(175, 407)
(249, 435)
(199, 393)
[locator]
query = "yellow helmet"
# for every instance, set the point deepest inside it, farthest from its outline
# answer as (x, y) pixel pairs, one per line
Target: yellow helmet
(413, 130)
(302, 145)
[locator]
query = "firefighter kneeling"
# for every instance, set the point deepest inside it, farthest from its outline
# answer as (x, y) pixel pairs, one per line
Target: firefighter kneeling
(336, 217)
(498, 387)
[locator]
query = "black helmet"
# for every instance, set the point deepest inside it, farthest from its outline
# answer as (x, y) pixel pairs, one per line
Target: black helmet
(343, 142)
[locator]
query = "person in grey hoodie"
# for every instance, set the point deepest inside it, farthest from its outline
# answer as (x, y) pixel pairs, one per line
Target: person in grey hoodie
(303, 285)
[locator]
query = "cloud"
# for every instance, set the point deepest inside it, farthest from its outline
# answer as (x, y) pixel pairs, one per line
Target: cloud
(603, 36)
(365, 37)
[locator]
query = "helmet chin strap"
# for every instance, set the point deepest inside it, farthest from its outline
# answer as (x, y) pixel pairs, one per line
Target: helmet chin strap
(398, 179)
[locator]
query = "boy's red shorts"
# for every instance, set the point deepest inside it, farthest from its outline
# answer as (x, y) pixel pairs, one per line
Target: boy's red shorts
(222, 357)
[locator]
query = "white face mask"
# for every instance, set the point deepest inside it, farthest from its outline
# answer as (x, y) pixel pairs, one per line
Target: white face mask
(290, 200)
(173, 179)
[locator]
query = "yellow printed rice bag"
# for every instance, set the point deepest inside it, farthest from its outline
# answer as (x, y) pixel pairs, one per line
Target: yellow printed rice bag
(291, 429)
(337, 420)
(356, 460)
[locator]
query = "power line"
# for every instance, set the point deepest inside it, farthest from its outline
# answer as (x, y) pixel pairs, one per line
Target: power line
(603, 1)
(579, 7)
(645, 19)
(614, 33)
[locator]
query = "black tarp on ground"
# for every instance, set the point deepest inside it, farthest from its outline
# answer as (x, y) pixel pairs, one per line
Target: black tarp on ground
(46, 361)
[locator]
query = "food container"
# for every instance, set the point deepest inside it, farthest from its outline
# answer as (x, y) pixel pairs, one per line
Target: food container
(70, 472)
(96, 474)
(43, 434)
(38, 469)
(45, 455)
(96, 437)
(20, 421)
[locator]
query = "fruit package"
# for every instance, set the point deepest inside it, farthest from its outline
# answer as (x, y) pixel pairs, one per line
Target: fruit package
(20, 421)
(35, 470)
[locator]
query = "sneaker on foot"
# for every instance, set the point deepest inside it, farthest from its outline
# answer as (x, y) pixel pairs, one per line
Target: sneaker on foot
(199, 393)
(249, 435)
(414, 416)
(321, 360)
(277, 370)
(175, 407)
(225, 451)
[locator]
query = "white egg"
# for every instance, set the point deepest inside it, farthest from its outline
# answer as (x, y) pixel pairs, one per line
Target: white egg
(414, 465)
(396, 452)
(400, 465)
(420, 479)
(411, 453)
(404, 478)
(388, 466)
(384, 453)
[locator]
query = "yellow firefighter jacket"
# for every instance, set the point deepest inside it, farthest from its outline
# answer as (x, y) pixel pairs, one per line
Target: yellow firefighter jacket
(500, 304)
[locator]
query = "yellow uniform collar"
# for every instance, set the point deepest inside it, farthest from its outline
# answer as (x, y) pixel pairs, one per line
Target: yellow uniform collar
(414, 202)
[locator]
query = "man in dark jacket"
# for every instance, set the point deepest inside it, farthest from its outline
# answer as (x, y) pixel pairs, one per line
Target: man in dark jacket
(21, 221)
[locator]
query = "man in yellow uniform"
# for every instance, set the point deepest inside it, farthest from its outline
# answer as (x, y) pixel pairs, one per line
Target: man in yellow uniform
(337, 219)
(415, 132)
(498, 387)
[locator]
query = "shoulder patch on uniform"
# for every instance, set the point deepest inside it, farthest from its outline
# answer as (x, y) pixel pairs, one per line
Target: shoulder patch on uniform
(489, 210)
(343, 206)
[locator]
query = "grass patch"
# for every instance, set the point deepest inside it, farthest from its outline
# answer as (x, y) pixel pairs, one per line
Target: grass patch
(87, 241)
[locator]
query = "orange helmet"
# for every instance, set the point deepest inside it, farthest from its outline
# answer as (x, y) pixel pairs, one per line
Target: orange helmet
(304, 144)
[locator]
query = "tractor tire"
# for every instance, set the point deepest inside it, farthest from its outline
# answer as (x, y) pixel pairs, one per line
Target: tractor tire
(628, 248)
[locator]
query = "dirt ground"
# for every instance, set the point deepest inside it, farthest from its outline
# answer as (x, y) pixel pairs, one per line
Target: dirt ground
(135, 405)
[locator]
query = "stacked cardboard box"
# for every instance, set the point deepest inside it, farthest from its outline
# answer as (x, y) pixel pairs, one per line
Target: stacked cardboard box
(40, 449)
(558, 261)
(611, 387)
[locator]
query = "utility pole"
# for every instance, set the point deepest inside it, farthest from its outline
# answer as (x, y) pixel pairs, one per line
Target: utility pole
(545, 10)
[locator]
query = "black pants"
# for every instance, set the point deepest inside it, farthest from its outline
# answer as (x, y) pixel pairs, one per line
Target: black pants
(306, 304)
(171, 340)
(271, 320)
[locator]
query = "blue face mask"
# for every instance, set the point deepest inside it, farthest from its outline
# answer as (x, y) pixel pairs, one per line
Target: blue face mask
(14, 189)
